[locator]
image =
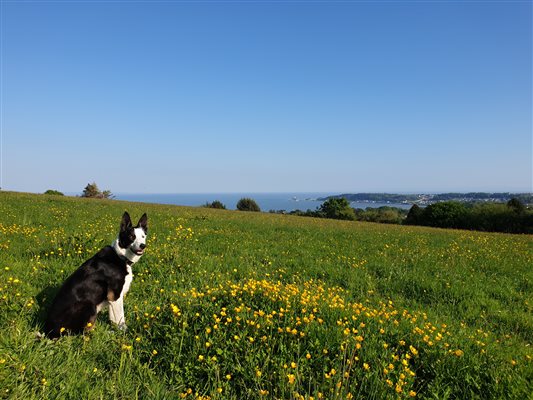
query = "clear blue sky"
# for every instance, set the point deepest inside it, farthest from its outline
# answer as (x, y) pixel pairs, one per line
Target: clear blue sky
(246, 96)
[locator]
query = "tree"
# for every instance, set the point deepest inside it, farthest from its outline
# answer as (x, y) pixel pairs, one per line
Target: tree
(414, 217)
(247, 204)
(337, 209)
(516, 205)
(92, 191)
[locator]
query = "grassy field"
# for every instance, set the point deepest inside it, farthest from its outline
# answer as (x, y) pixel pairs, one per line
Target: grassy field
(233, 305)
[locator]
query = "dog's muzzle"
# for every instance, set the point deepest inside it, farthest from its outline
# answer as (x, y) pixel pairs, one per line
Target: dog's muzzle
(140, 251)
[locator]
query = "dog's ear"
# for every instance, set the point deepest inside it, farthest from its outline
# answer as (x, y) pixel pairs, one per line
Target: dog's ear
(126, 222)
(143, 223)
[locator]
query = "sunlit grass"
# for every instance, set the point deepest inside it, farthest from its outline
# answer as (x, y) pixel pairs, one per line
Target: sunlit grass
(232, 305)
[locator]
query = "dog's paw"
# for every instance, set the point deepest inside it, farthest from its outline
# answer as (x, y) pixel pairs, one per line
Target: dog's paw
(122, 327)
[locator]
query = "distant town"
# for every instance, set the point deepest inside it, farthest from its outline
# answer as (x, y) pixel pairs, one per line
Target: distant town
(426, 199)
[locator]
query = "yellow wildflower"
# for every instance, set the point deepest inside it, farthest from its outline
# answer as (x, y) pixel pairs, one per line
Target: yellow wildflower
(291, 378)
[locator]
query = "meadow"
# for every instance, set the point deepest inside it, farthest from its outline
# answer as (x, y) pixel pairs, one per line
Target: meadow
(235, 305)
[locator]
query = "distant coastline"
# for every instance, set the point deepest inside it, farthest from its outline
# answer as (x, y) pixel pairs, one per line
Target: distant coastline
(426, 199)
(290, 201)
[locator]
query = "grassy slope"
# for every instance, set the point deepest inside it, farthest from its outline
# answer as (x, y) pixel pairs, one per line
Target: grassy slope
(461, 300)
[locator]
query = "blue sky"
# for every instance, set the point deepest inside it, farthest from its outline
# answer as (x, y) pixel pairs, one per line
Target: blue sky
(267, 96)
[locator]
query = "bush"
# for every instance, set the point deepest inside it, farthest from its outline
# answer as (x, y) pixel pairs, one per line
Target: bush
(389, 215)
(215, 204)
(54, 192)
(247, 204)
(382, 215)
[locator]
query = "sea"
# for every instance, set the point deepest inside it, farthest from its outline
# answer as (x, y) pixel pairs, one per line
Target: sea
(266, 201)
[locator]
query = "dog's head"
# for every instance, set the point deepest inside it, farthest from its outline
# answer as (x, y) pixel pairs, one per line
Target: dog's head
(132, 239)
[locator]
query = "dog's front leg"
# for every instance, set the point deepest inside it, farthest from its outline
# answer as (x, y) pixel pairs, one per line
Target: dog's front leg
(116, 313)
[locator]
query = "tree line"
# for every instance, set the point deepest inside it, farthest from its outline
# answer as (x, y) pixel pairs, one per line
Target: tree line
(510, 217)
(339, 208)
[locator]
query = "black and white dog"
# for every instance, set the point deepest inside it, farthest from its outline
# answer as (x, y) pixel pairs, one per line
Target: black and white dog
(101, 281)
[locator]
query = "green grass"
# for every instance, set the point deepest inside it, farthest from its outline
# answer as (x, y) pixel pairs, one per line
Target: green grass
(235, 305)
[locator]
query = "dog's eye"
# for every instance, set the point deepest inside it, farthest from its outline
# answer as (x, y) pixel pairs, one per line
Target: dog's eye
(132, 237)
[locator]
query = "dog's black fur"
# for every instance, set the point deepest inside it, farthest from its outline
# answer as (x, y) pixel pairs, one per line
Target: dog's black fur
(97, 281)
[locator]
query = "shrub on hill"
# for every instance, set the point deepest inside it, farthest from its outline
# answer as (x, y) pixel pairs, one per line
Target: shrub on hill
(54, 192)
(247, 204)
(215, 204)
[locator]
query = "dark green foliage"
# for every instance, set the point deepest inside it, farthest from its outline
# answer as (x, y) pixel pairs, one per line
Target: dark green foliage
(512, 217)
(92, 191)
(448, 214)
(300, 213)
(414, 216)
(54, 192)
(337, 209)
(340, 209)
(516, 205)
(215, 204)
(488, 217)
(384, 215)
(247, 204)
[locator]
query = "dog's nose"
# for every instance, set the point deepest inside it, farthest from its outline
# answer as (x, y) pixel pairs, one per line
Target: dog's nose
(142, 246)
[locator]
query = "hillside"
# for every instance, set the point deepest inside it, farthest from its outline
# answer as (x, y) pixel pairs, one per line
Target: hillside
(235, 305)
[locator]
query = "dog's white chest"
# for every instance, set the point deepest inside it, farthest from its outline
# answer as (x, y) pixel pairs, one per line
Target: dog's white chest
(127, 281)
